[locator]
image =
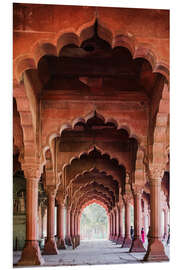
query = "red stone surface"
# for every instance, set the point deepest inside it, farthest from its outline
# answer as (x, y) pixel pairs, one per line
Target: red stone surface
(91, 112)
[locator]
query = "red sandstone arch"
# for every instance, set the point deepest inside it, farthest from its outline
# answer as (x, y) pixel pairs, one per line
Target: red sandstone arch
(97, 198)
(101, 178)
(47, 48)
(91, 202)
(66, 37)
(90, 167)
(91, 189)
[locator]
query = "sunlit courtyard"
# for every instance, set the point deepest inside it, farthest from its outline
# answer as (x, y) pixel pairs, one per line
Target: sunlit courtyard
(94, 223)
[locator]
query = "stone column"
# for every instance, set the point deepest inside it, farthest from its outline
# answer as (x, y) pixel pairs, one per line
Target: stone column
(109, 220)
(120, 236)
(44, 210)
(75, 228)
(68, 237)
(165, 224)
(60, 225)
(31, 254)
(78, 226)
(155, 251)
(50, 247)
(127, 239)
(137, 245)
(117, 223)
(114, 225)
(72, 228)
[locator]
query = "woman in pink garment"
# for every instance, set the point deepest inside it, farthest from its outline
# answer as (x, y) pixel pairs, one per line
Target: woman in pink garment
(142, 235)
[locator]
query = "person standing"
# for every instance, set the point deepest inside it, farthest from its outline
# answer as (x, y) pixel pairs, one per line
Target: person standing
(132, 232)
(142, 235)
(168, 239)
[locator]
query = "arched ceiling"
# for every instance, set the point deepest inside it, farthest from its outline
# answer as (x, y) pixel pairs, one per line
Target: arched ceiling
(89, 61)
(94, 67)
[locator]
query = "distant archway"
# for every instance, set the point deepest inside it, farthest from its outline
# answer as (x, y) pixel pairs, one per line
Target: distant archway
(94, 223)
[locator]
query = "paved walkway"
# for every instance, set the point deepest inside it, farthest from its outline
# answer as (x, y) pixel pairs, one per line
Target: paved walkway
(92, 253)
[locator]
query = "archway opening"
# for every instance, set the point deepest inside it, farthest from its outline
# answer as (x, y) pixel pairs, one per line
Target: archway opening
(94, 223)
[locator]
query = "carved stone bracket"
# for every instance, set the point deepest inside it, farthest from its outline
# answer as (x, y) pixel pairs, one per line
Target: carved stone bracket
(156, 172)
(51, 190)
(60, 198)
(32, 172)
(137, 190)
(127, 197)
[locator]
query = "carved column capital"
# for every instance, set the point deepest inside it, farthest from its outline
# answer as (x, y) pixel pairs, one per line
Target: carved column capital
(32, 172)
(60, 198)
(51, 190)
(137, 190)
(127, 197)
(156, 172)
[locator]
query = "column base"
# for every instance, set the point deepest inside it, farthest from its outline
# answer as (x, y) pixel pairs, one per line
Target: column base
(73, 241)
(31, 254)
(137, 246)
(120, 240)
(115, 238)
(50, 247)
(127, 242)
(79, 239)
(61, 243)
(155, 251)
(68, 241)
(76, 240)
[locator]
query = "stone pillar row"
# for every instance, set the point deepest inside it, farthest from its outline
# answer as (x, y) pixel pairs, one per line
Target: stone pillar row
(72, 228)
(31, 254)
(60, 225)
(137, 245)
(50, 247)
(155, 250)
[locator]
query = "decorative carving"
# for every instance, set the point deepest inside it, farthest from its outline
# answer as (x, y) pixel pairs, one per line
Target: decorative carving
(60, 198)
(137, 190)
(127, 197)
(51, 190)
(32, 172)
(156, 172)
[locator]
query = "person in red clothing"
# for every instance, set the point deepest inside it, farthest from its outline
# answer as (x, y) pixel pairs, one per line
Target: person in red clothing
(142, 235)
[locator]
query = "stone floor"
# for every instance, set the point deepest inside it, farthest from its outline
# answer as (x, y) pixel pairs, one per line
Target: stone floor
(92, 253)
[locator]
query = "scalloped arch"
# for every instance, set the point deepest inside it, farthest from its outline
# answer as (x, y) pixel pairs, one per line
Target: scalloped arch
(42, 48)
(86, 204)
(72, 36)
(89, 151)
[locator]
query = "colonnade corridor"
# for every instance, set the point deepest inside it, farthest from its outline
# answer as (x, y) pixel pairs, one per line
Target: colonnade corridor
(92, 252)
(90, 125)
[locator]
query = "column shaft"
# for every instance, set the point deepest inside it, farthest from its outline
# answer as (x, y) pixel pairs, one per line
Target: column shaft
(60, 226)
(68, 238)
(50, 245)
(31, 253)
(117, 224)
(120, 236)
(155, 251)
(137, 245)
(127, 240)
